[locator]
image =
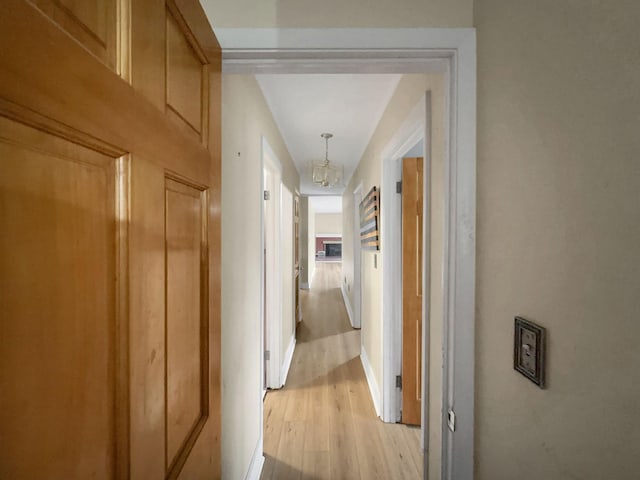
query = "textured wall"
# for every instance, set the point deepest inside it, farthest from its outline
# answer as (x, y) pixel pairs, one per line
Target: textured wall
(559, 237)
(339, 13)
(245, 118)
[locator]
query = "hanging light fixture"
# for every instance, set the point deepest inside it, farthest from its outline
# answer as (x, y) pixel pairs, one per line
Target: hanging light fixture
(323, 172)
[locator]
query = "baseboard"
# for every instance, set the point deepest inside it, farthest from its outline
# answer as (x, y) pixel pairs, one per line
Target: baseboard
(288, 358)
(304, 285)
(313, 272)
(257, 462)
(347, 305)
(371, 380)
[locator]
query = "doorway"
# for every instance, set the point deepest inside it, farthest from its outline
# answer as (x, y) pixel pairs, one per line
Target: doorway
(279, 51)
(279, 272)
(272, 305)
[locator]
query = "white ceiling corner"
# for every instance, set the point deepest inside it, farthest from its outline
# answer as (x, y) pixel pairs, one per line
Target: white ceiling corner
(347, 105)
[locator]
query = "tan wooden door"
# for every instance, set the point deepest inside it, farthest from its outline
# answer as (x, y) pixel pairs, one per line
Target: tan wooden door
(412, 199)
(110, 240)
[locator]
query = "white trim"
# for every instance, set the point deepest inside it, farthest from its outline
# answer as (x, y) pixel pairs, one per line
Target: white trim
(357, 261)
(313, 274)
(304, 285)
(426, 272)
(371, 380)
(270, 161)
(288, 358)
(459, 273)
(293, 49)
(406, 137)
(257, 462)
(347, 305)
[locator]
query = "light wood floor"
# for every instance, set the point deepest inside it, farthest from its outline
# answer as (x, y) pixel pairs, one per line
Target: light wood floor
(322, 424)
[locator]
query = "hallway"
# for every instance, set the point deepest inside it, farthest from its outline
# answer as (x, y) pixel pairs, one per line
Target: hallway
(322, 424)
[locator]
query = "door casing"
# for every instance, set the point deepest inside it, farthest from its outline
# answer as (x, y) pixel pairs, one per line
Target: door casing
(415, 50)
(271, 279)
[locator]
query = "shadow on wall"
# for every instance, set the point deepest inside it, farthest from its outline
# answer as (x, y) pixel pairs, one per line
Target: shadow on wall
(282, 470)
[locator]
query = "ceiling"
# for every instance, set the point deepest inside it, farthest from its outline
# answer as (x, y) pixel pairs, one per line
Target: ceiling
(347, 105)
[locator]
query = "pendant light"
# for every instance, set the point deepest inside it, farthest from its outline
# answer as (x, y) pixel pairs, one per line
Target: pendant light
(323, 172)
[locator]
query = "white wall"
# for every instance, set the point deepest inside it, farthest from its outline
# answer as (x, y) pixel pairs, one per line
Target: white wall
(340, 13)
(410, 91)
(245, 118)
(328, 224)
(558, 237)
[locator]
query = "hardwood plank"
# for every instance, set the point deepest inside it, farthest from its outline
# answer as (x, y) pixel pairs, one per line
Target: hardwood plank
(274, 409)
(315, 465)
(290, 451)
(403, 458)
(322, 424)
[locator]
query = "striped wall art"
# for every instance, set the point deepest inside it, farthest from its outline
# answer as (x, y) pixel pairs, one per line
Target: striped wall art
(369, 221)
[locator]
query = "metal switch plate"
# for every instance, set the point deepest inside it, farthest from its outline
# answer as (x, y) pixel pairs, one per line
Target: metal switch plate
(451, 420)
(529, 350)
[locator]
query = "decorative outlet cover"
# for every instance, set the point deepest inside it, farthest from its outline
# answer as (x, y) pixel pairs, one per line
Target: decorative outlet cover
(529, 350)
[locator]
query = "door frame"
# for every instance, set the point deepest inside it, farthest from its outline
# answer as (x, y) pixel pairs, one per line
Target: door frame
(409, 50)
(270, 260)
(414, 130)
(357, 261)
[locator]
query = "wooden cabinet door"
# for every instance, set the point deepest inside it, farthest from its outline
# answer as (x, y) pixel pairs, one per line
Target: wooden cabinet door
(110, 244)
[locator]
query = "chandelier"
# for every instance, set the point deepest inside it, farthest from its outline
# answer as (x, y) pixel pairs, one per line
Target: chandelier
(323, 172)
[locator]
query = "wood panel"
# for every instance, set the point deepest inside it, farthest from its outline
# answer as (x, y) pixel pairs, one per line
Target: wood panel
(53, 82)
(185, 76)
(147, 320)
(92, 23)
(59, 372)
(186, 317)
(65, 85)
(412, 204)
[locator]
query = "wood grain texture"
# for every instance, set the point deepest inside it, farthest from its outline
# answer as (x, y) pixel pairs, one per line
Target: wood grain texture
(64, 83)
(322, 424)
(186, 316)
(84, 165)
(58, 326)
(412, 198)
(214, 144)
(147, 18)
(184, 76)
(93, 24)
(147, 317)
